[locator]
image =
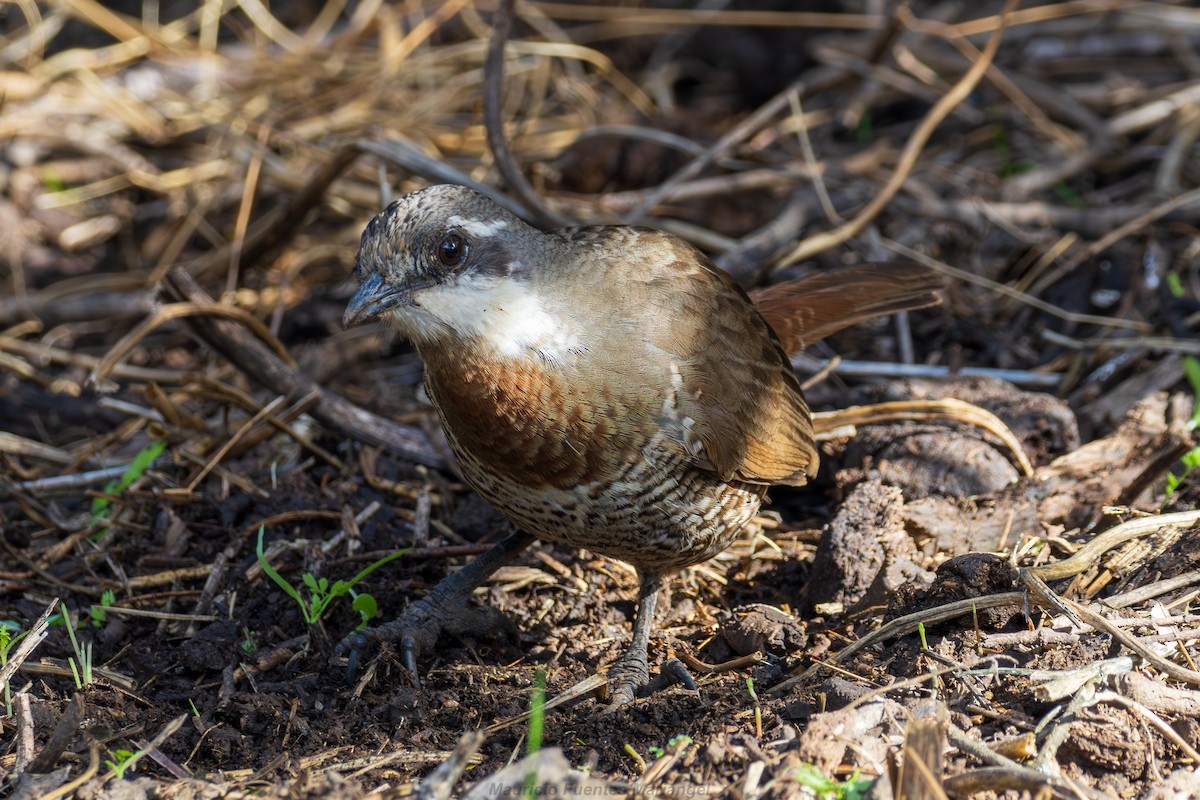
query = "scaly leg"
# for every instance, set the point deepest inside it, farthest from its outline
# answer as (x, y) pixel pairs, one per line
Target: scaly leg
(443, 610)
(629, 676)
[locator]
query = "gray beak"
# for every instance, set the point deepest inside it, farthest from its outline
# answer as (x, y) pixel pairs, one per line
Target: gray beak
(372, 299)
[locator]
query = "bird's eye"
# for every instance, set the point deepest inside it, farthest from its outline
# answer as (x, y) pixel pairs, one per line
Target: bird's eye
(451, 250)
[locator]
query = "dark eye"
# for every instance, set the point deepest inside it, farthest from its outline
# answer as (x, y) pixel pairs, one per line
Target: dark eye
(451, 250)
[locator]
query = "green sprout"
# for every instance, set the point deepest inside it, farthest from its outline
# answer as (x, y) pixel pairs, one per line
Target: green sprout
(321, 592)
(1175, 284)
(9, 637)
(102, 506)
(1191, 371)
(81, 662)
(853, 788)
(97, 615)
(366, 606)
(864, 131)
(533, 737)
(675, 744)
(1011, 167)
(757, 707)
(52, 183)
(122, 760)
(1189, 461)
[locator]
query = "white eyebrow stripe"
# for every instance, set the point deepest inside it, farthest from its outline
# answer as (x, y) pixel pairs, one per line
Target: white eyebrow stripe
(477, 227)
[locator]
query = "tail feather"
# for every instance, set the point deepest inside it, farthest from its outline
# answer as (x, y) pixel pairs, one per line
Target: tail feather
(806, 310)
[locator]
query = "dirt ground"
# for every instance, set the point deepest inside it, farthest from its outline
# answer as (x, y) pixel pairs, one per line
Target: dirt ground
(996, 600)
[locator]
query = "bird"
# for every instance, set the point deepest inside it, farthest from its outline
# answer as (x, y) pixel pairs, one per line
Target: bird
(602, 387)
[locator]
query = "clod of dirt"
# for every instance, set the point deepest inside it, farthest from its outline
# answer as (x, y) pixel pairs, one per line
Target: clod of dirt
(1111, 739)
(829, 736)
(1179, 784)
(865, 553)
(840, 692)
(1067, 492)
(836, 693)
(30, 784)
(960, 578)
(212, 648)
(928, 460)
(1043, 423)
(764, 628)
(932, 459)
(1099, 473)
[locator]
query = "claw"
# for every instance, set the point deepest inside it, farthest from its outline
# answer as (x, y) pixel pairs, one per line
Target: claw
(628, 678)
(672, 672)
(351, 645)
(408, 654)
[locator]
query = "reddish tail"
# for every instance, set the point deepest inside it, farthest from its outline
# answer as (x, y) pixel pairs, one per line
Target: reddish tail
(804, 311)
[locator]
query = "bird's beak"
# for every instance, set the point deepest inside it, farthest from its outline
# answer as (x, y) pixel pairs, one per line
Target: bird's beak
(372, 299)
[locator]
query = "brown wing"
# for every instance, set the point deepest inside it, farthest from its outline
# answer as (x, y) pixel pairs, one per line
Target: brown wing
(739, 407)
(804, 311)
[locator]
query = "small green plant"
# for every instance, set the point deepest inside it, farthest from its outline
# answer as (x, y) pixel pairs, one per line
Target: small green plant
(249, 641)
(533, 736)
(53, 184)
(81, 662)
(102, 506)
(853, 788)
(864, 131)
(366, 607)
(125, 760)
(1191, 371)
(1189, 462)
(674, 743)
(121, 761)
(10, 634)
(1069, 195)
(1175, 284)
(1011, 167)
(537, 714)
(97, 616)
(192, 706)
(757, 707)
(321, 591)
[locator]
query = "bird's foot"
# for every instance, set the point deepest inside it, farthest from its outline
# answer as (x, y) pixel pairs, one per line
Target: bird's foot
(443, 610)
(416, 632)
(629, 678)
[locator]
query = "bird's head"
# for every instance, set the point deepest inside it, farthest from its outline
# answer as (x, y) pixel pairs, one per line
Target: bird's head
(447, 264)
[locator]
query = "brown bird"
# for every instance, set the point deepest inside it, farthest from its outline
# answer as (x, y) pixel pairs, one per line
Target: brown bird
(603, 387)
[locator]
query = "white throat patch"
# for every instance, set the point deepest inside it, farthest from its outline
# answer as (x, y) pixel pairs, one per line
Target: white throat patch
(502, 313)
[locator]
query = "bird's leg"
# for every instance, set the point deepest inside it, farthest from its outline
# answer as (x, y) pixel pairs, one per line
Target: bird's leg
(443, 610)
(629, 676)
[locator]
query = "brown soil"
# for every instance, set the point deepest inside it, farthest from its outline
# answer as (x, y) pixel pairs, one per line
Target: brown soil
(238, 172)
